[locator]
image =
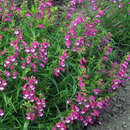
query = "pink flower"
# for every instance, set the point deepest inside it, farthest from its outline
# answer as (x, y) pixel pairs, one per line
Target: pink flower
(93, 104)
(100, 105)
(93, 1)
(16, 32)
(86, 76)
(54, 128)
(84, 60)
(28, 60)
(114, 64)
(7, 73)
(120, 5)
(12, 67)
(68, 43)
(57, 70)
(83, 111)
(68, 120)
(85, 123)
(114, 86)
(1, 36)
(3, 52)
(128, 58)
(1, 112)
(95, 113)
(28, 117)
(62, 69)
(107, 52)
(73, 33)
(67, 37)
(6, 29)
(87, 105)
(97, 21)
(58, 125)
(69, 101)
(41, 26)
(79, 20)
(92, 98)
(73, 2)
(101, 12)
(81, 84)
(89, 119)
(105, 58)
(80, 78)
(96, 91)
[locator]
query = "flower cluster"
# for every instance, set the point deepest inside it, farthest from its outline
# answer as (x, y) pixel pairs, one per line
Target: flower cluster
(1, 112)
(71, 8)
(36, 109)
(94, 5)
(62, 63)
(120, 75)
(3, 84)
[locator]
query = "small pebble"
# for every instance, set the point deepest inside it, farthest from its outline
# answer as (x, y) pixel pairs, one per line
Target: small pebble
(124, 125)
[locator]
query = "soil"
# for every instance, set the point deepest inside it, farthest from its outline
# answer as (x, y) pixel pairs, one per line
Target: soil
(117, 115)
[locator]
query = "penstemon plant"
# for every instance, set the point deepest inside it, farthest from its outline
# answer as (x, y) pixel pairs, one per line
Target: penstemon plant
(55, 71)
(116, 18)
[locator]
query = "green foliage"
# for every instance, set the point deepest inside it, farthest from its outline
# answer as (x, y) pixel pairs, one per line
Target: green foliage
(41, 25)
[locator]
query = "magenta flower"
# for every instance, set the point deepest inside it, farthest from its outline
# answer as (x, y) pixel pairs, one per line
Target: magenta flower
(7, 74)
(81, 84)
(6, 29)
(97, 21)
(54, 128)
(86, 76)
(87, 105)
(120, 5)
(57, 70)
(101, 12)
(105, 58)
(96, 91)
(16, 32)
(69, 101)
(3, 52)
(68, 120)
(95, 113)
(68, 43)
(85, 122)
(89, 119)
(62, 69)
(41, 26)
(1, 36)
(28, 117)
(1, 112)
(100, 105)
(93, 1)
(73, 2)
(83, 111)
(84, 60)
(92, 98)
(79, 20)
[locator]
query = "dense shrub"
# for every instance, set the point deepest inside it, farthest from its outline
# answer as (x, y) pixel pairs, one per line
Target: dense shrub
(116, 19)
(54, 70)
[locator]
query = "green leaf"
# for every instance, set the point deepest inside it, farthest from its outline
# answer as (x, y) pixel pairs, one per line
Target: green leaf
(25, 127)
